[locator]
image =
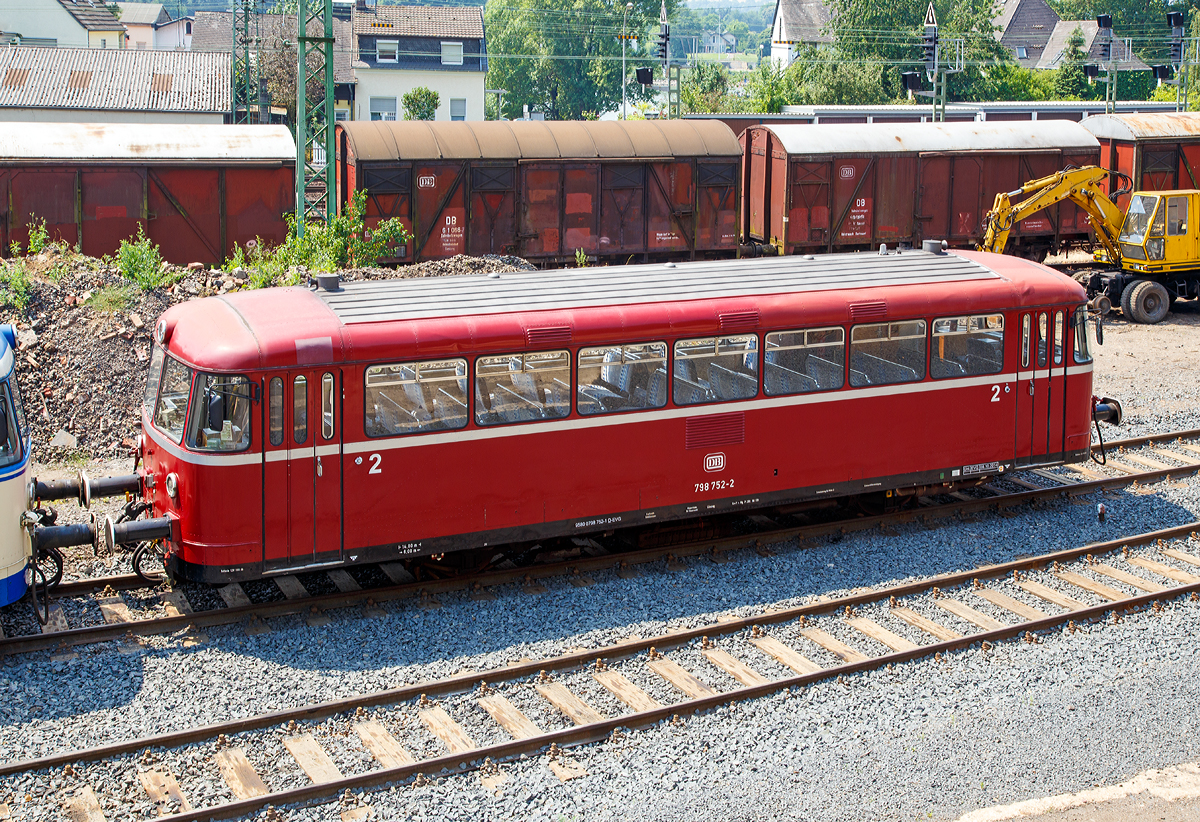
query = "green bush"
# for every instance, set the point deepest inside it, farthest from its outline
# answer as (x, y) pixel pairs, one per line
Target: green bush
(141, 262)
(421, 104)
(344, 243)
(14, 285)
(38, 236)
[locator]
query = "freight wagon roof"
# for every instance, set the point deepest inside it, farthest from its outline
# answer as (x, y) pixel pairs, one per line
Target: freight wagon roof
(145, 143)
(1143, 126)
(902, 138)
(503, 140)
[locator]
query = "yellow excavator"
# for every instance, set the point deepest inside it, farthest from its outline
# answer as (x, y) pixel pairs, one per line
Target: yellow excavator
(1152, 251)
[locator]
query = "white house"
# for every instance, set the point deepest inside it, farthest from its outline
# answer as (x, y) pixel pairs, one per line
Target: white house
(75, 23)
(150, 26)
(404, 47)
(797, 22)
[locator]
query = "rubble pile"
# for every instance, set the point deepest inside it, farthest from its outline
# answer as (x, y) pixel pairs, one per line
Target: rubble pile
(84, 340)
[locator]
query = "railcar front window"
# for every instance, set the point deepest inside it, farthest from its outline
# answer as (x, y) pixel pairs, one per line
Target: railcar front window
(1137, 218)
(171, 411)
(19, 409)
(622, 378)
(10, 430)
(522, 387)
(156, 364)
(411, 397)
(797, 362)
(1083, 348)
(220, 418)
(715, 369)
(967, 346)
(275, 410)
(887, 353)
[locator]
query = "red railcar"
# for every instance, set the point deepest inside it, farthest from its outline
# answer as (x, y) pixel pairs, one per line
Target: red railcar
(812, 188)
(544, 190)
(292, 428)
(195, 190)
(1158, 151)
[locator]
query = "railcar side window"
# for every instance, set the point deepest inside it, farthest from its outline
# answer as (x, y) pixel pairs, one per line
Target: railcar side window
(1025, 341)
(715, 369)
(220, 414)
(1083, 350)
(19, 408)
(156, 364)
(171, 411)
(300, 410)
(1041, 340)
(796, 362)
(967, 346)
(327, 406)
(522, 387)
(10, 430)
(1058, 337)
(406, 398)
(887, 353)
(622, 378)
(275, 410)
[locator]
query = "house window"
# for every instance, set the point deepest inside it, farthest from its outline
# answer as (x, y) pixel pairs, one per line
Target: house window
(452, 54)
(458, 108)
(187, 27)
(341, 115)
(103, 43)
(386, 51)
(1022, 53)
(383, 108)
(141, 46)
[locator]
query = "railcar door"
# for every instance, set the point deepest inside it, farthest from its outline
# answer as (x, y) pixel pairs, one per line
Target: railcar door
(289, 488)
(1057, 383)
(327, 483)
(1038, 384)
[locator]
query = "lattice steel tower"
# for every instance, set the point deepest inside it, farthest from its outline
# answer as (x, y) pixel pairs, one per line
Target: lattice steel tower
(245, 59)
(315, 176)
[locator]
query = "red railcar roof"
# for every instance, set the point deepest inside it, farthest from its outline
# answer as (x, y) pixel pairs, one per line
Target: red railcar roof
(429, 317)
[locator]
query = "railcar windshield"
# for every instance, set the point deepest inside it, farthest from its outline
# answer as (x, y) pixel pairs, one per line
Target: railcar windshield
(171, 410)
(220, 418)
(12, 425)
(156, 364)
(1138, 217)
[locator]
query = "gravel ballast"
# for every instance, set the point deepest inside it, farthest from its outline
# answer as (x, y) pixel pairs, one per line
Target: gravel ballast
(929, 739)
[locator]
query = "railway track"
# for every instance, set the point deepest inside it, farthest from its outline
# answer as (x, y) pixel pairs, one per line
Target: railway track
(121, 624)
(477, 719)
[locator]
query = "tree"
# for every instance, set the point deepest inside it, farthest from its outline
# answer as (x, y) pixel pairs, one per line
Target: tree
(819, 79)
(770, 88)
(1071, 82)
(740, 30)
(421, 104)
(563, 57)
(704, 88)
(277, 66)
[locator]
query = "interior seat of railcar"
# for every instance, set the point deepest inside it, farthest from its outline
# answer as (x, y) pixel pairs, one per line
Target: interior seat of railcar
(826, 373)
(727, 384)
(880, 371)
(781, 380)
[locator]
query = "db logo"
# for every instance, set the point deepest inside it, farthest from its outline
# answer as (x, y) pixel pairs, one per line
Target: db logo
(846, 172)
(426, 182)
(714, 462)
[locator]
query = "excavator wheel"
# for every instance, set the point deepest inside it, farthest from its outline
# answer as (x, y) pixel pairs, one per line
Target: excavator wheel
(1148, 302)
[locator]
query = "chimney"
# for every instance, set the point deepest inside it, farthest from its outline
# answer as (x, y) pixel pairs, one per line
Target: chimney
(360, 5)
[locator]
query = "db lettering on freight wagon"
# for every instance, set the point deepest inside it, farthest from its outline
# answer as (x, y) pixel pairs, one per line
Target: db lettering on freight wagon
(453, 234)
(858, 220)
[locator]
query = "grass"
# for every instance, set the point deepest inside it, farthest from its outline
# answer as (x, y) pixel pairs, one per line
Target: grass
(14, 285)
(113, 298)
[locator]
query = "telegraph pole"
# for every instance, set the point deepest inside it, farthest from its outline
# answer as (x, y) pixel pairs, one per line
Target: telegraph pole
(314, 131)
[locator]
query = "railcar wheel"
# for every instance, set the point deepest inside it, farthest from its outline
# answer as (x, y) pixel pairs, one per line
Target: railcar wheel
(1149, 302)
(148, 563)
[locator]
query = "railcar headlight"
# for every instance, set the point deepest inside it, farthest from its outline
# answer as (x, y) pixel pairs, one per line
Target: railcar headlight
(160, 332)
(173, 486)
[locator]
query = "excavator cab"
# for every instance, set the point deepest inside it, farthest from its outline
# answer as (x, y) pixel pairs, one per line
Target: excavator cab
(1159, 234)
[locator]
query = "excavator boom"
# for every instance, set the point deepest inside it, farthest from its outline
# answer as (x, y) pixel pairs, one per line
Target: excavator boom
(1077, 185)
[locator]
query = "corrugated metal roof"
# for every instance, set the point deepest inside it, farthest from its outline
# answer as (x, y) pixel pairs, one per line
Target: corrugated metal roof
(213, 31)
(504, 140)
(114, 79)
(93, 15)
(411, 299)
(876, 138)
(142, 14)
(1143, 126)
(805, 20)
(420, 21)
(145, 143)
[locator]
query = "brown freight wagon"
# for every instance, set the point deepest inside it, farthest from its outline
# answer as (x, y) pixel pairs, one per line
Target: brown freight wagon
(196, 190)
(1158, 152)
(542, 190)
(810, 188)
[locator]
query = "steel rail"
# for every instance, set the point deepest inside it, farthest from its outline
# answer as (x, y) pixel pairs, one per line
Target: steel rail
(466, 681)
(598, 730)
(323, 602)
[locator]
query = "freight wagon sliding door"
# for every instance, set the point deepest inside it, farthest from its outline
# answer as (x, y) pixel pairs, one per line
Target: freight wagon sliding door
(716, 209)
(808, 206)
(112, 205)
(669, 210)
(185, 213)
(302, 488)
(37, 195)
(540, 232)
(255, 201)
(949, 198)
(581, 195)
(493, 215)
(388, 195)
(622, 217)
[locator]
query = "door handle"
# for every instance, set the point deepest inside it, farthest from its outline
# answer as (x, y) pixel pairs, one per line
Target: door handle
(321, 472)
(1030, 394)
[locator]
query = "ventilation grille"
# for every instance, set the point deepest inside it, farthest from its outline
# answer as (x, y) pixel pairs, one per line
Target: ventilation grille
(719, 429)
(875, 310)
(739, 321)
(546, 336)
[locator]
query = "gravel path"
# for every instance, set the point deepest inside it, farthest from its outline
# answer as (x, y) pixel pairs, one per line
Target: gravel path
(928, 740)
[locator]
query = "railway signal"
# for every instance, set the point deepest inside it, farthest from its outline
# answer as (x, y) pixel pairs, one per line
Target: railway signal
(936, 70)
